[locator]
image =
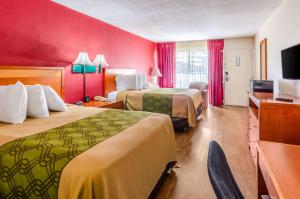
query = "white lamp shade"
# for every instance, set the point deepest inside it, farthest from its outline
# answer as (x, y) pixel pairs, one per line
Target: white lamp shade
(155, 72)
(100, 60)
(83, 59)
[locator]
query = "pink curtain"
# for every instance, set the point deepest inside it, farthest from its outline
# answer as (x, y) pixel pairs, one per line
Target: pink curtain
(215, 65)
(166, 60)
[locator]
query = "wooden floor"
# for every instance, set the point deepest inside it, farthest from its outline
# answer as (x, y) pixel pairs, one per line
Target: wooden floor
(228, 126)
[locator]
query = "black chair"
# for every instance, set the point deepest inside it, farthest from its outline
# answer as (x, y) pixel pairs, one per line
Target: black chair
(220, 174)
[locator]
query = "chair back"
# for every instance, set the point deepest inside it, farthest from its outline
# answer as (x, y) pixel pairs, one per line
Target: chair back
(220, 174)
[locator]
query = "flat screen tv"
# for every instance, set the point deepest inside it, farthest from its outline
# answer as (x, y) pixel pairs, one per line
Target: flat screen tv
(291, 62)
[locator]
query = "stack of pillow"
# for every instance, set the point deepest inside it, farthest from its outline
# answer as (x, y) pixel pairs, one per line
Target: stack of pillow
(131, 82)
(18, 101)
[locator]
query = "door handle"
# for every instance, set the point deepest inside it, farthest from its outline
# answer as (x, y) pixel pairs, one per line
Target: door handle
(227, 76)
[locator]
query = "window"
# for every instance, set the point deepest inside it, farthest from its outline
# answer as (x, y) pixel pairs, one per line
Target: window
(191, 63)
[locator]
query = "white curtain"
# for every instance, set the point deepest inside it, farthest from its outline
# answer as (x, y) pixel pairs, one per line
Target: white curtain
(191, 63)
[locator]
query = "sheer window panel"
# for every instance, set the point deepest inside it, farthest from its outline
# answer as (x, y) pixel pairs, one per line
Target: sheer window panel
(191, 63)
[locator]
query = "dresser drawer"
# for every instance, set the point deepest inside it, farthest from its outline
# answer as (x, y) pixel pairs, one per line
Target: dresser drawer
(268, 181)
(253, 151)
(253, 133)
(253, 119)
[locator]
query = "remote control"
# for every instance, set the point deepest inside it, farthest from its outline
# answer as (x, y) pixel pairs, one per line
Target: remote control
(284, 99)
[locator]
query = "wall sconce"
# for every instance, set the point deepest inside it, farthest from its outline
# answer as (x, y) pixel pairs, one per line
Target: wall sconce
(100, 61)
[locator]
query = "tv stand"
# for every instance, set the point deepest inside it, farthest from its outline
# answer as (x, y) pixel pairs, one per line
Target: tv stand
(272, 120)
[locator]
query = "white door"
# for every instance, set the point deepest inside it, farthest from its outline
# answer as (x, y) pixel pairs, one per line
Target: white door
(237, 75)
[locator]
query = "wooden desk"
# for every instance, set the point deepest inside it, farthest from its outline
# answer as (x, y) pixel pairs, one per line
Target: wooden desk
(278, 170)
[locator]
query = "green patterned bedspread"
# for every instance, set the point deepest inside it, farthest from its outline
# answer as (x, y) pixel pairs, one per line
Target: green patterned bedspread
(160, 100)
(31, 166)
(157, 103)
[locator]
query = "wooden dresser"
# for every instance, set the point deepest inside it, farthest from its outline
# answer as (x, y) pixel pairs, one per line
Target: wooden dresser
(271, 120)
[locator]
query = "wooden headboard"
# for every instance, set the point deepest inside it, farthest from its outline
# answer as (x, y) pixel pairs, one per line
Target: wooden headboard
(29, 75)
(110, 77)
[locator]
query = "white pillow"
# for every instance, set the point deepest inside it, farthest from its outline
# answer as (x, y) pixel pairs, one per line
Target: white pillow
(142, 84)
(37, 104)
(54, 102)
(127, 82)
(144, 81)
(13, 103)
(139, 81)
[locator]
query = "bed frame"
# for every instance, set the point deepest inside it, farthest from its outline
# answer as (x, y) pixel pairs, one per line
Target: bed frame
(29, 75)
(181, 124)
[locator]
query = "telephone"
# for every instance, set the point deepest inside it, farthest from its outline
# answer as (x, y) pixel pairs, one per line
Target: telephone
(100, 99)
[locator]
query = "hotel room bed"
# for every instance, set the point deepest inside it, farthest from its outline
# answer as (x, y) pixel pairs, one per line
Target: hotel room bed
(182, 105)
(126, 165)
(83, 153)
(177, 103)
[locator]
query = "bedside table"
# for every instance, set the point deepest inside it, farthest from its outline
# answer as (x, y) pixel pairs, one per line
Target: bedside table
(98, 104)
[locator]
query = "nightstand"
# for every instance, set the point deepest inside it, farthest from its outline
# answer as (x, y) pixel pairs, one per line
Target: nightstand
(98, 104)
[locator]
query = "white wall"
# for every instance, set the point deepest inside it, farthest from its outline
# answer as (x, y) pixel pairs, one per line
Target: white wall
(282, 29)
(238, 43)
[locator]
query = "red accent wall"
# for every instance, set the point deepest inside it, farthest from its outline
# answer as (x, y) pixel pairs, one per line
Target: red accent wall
(43, 33)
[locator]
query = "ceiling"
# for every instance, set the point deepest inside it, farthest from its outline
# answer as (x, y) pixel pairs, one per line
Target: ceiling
(179, 20)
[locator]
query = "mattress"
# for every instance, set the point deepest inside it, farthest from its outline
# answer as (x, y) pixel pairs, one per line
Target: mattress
(179, 103)
(126, 165)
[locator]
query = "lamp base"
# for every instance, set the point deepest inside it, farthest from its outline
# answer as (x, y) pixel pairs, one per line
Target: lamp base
(86, 98)
(154, 79)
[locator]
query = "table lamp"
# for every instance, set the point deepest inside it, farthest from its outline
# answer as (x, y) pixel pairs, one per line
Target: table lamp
(155, 73)
(83, 65)
(100, 61)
